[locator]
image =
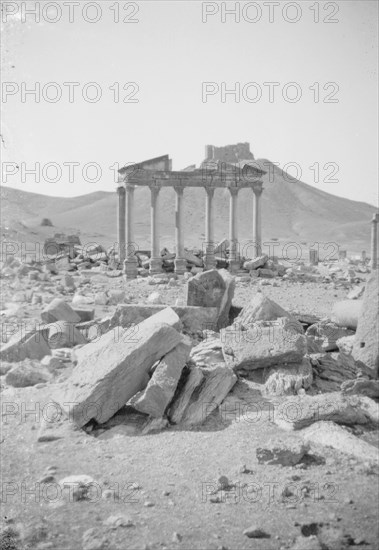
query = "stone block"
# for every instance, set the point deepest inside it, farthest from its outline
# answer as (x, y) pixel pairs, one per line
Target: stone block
(204, 390)
(155, 398)
(260, 308)
(323, 336)
(295, 413)
(113, 369)
(213, 288)
(26, 344)
(193, 319)
(346, 313)
(288, 380)
(256, 262)
(59, 310)
(329, 434)
(264, 344)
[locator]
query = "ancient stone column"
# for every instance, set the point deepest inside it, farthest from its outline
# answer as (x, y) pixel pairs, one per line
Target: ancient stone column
(210, 260)
(180, 261)
(234, 262)
(374, 241)
(130, 263)
(156, 259)
(257, 220)
(121, 224)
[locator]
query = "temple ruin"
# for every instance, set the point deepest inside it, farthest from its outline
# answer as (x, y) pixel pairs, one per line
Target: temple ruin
(231, 167)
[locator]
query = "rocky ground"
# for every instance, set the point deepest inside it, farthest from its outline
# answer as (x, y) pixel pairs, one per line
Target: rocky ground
(237, 481)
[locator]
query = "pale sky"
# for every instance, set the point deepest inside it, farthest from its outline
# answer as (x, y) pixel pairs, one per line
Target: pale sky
(169, 53)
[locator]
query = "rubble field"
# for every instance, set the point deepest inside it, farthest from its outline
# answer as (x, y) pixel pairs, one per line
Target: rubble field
(208, 410)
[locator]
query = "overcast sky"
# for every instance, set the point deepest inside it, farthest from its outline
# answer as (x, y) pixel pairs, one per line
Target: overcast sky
(326, 120)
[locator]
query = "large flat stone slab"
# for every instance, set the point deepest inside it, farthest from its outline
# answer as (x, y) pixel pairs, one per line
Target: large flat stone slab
(193, 318)
(329, 434)
(113, 369)
(366, 345)
(264, 344)
(160, 390)
(298, 412)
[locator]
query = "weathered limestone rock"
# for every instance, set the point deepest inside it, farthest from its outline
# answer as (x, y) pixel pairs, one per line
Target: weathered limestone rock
(282, 452)
(113, 369)
(85, 314)
(346, 313)
(26, 344)
(179, 405)
(212, 288)
(64, 335)
(331, 370)
(27, 373)
(361, 386)
(155, 398)
(208, 352)
(154, 298)
(288, 380)
(298, 412)
(323, 336)
(194, 319)
(366, 345)
(264, 344)
(203, 392)
(214, 387)
(260, 308)
(356, 293)
(345, 344)
(116, 296)
(192, 259)
(59, 310)
(329, 434)
(257, 262)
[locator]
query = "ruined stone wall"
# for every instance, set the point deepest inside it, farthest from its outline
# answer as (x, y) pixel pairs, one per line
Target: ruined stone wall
(229, 153)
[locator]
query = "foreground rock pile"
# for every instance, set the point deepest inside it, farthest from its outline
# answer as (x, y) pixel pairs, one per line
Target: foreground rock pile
(146, 366)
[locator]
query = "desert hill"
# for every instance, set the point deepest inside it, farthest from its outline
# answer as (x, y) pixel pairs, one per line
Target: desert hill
(292, 211)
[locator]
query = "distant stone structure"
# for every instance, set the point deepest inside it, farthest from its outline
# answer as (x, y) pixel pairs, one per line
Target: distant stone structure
(232, 167)
(229, 153)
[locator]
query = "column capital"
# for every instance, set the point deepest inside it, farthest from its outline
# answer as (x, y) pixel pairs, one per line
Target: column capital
(233, 191)
(121, 190)
(210, 190)
(257, 189)
(154, 188)
(130, 187)
(179, 189)
(375, 218)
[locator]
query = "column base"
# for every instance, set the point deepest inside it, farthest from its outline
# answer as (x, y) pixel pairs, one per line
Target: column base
(180, 266)
(155, 266)
(131, 268)
(234, 266)
(210, 261)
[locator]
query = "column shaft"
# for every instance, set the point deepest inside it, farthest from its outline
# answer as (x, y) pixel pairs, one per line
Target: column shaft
(121, 224)
(130, 263)
(234, 263)
(155, 260)
(257, 222)
(180, 262)
(210, 260)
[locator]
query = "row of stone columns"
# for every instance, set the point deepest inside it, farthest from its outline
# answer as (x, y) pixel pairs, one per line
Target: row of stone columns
(126, 237)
